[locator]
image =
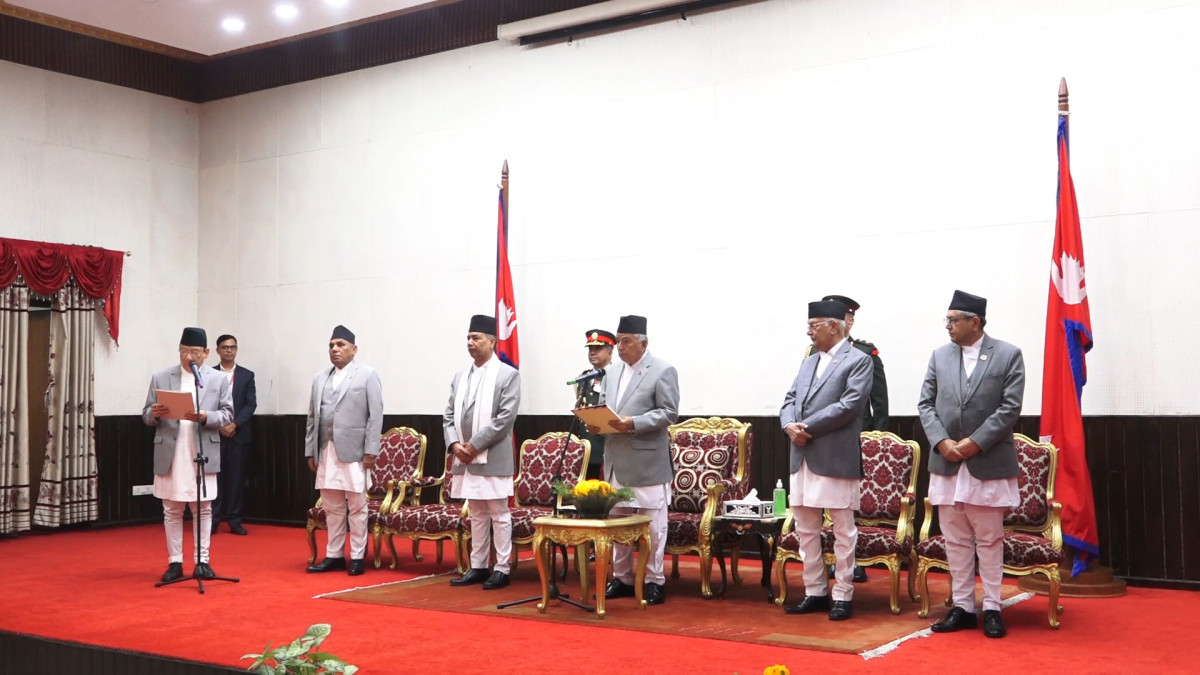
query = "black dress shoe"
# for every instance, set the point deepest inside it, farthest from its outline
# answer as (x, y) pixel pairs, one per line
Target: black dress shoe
(497, 580)
(356, 567)
(618, 589)
(958, 619)
(842, 610)
(654, 594)
(203, 571)
(993, 626)
(174, 573)
(473, 576)
(860, 572)
(810, 604)
(238, 529)
(327, 565)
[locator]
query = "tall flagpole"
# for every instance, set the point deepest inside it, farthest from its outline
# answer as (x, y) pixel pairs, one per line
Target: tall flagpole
(504, 191)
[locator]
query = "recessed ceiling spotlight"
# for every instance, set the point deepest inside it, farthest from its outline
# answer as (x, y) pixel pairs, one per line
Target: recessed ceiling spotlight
(286, 11)
(233, 24)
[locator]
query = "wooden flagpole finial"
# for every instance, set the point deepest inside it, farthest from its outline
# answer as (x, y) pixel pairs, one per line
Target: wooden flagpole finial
(1064, 108)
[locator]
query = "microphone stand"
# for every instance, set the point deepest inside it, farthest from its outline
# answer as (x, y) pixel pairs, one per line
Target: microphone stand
(554, 594)
(200, 461)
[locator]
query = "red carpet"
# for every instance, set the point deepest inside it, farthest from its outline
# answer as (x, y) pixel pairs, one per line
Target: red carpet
(743, 615)
(98, 588)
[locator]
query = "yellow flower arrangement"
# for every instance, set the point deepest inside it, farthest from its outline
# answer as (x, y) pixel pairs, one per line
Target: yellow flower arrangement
(592, 498)
(777, 670)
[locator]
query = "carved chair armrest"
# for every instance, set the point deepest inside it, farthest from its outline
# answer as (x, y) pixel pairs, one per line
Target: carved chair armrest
(715, 499)
(927, 521)
(1053, 530)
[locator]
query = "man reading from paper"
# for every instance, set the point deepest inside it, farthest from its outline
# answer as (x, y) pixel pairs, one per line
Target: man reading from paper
(478, 425)
(175, 448)
(644, 391)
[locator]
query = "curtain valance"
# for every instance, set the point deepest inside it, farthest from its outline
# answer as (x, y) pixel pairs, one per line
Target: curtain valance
(48, 267)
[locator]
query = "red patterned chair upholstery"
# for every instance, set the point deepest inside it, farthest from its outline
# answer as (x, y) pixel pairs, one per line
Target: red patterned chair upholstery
(435, 522)
(533, 491)
(401, 451)
(712, 464)
(1032, 531)
(885, 515)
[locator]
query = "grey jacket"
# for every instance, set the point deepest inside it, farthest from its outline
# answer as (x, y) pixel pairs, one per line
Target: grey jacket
(497, 436)
(216, 397)
(832, 409)
(986, 410)
(357, 413)
(651, 398)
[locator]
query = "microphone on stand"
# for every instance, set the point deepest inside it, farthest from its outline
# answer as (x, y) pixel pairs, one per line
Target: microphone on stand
(589, 375)
(196, 374)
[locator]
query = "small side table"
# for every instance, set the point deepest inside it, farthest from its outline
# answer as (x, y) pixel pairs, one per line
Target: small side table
(583, 533)
(729, 531)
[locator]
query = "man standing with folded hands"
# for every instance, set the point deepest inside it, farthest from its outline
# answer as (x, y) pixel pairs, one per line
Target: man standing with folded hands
(970, 402)
(341, 442)
(478, 425)
(822, 416)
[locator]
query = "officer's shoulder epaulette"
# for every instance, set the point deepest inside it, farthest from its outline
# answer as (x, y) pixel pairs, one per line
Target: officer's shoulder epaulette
(865, 346)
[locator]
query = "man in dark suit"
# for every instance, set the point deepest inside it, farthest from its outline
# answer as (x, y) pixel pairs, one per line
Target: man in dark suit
(643, 391)
(822, 417)
(970, 400)
(235, 439)
(590, 392)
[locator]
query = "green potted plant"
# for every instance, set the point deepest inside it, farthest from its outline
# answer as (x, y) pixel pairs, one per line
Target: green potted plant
(301, 656)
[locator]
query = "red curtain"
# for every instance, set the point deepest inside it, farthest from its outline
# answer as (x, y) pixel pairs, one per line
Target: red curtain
(48, 267)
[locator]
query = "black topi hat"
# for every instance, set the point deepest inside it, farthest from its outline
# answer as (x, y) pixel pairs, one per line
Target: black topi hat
(481, 323)
(827, 309)
(965, 302)
(632, 324)
(340, 332)
(194, 337)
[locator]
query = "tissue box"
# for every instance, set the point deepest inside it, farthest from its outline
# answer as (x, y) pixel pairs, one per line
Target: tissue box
(748, 509)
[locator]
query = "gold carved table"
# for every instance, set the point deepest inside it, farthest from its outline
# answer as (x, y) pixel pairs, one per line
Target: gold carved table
(582, 533)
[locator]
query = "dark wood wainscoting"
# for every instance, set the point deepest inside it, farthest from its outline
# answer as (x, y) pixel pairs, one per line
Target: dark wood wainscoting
(1145, 476)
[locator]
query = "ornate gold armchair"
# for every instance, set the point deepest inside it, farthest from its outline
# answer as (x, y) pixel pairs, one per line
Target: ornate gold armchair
(401, 451)
(712, 464)
(533, 491)
(435, 522)
(1032, 531)
(884, 517)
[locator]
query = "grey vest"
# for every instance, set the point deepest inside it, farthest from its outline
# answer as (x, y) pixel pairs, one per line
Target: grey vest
(325, 419)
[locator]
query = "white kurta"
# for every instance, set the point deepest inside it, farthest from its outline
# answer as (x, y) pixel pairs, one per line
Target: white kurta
(964, 488)
(180, 482)
(334, 474)
(822, 492)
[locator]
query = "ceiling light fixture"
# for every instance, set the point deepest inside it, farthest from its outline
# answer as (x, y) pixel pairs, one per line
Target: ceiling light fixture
(286, 12)
(233, 24)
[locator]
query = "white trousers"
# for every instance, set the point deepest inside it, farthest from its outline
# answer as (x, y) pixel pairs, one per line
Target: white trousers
(341, 509)
(173, 524)
(490, 521)
(974, 531)
(623, 553)
(808, 521)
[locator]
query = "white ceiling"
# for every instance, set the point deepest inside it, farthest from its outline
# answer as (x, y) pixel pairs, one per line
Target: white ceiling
(195, 25)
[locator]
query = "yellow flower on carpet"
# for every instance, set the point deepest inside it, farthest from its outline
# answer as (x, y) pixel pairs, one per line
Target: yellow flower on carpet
(777, 670)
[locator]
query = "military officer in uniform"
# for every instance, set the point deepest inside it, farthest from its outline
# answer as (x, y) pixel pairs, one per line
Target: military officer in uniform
(590, 392)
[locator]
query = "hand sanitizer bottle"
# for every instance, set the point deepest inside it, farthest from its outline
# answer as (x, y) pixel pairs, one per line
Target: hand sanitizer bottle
(780, 499)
